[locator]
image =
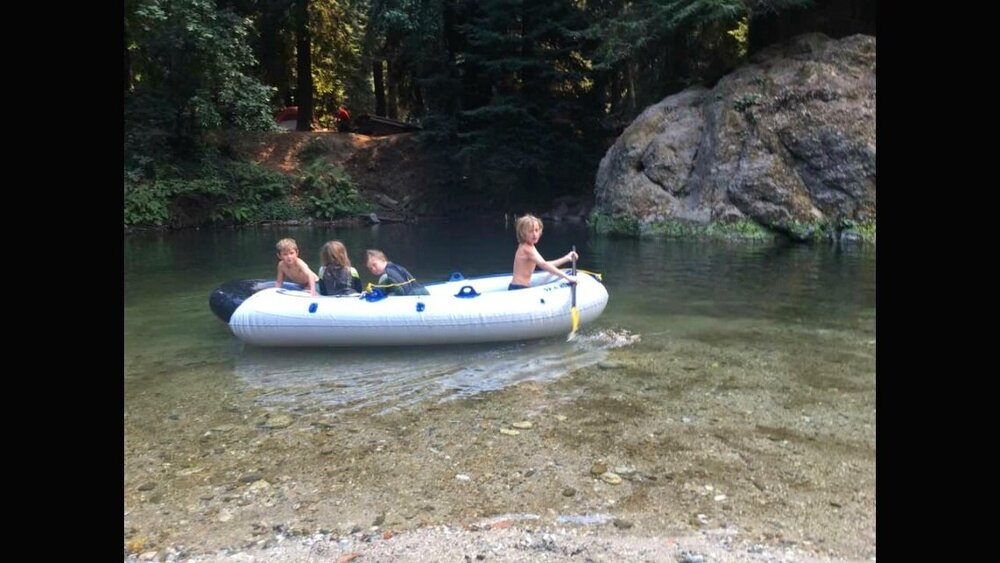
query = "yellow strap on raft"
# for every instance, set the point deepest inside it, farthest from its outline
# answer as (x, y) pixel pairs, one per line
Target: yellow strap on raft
(383, 286)
(597, 275)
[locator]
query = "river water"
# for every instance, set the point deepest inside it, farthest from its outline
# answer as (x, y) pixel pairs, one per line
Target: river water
(744, 367)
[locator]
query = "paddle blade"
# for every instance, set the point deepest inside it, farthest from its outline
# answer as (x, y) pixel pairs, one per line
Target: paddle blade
(574, 314)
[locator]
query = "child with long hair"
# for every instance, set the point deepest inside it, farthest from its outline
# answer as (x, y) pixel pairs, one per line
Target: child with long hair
(337, 274)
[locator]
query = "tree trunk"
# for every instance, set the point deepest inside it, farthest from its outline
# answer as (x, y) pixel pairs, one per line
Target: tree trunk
(128, 64)
(274, 55)
(418, 98)
(304, 67)
(615, 92)
(377, 78)
(392, 93)
(630, 84)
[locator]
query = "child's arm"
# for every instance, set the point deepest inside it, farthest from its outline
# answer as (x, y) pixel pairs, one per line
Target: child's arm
(568, 258)
(280, 277)
(550, 267)
(310, 276)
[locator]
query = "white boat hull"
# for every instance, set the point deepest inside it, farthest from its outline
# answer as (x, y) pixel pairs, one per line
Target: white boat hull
(284, 317)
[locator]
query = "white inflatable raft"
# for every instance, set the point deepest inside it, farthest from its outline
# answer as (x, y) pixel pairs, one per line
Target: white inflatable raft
(459, 311)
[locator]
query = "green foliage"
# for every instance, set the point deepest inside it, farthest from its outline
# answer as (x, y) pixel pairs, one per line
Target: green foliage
(527, 137)
(743, 229)
(613, 224)
(418, 50)
(317, 147)
(330, 193)
(528, 93)
(741, 34)
(746, 101)
(673, 228)
(248, 186)
(661, 46)
(806, 230)
(279, 210)
(744, 104)
(192, 72)
(727, 230)
(145, 204)
(830, 230)
(863, 231)
(340, 72)
(209, 192)
(647, 49)
(867, 230)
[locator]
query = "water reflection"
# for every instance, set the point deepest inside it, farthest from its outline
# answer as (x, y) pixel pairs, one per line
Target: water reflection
(396, 377)
(664, 290)
(755, 374)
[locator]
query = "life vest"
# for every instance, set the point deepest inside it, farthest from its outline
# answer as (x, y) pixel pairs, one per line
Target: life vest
(338, 281)
(401, 281)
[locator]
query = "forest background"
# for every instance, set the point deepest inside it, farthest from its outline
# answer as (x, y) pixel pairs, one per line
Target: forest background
(518, 100)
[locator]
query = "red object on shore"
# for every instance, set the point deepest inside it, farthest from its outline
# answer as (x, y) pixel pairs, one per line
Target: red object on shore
(342, 113)
(290, 113)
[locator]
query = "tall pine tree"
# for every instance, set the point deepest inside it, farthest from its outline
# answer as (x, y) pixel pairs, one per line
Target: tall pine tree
(525, 136)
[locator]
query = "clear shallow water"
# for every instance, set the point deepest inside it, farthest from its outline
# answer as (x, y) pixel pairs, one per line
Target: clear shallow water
(403, 376)
(750, 375)
(734, 295)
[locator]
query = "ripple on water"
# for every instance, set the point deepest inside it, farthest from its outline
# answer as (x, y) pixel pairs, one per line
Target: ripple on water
(396, 377)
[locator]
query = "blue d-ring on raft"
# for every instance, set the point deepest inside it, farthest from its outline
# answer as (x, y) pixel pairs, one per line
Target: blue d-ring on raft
(466, 292)
(456, 276)
(376, 294)
(313, 307)
(420, 307)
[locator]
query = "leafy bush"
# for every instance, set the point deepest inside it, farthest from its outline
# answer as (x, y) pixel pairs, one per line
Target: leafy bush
(145, 204)
(279, 210)
(317, 147)
(205, 192)
(330, 193)
(194, 69)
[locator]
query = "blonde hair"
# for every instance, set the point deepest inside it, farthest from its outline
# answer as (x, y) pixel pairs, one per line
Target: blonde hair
(334, 252)
(527, 222)
(374, 253)
(287, 244)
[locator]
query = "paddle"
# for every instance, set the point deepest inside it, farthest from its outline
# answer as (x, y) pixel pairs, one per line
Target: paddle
(574, 313)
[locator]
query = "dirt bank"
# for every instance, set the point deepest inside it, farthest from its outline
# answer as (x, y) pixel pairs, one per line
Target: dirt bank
(397, 166)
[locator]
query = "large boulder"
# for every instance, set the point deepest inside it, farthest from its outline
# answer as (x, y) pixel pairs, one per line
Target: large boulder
(786, 141)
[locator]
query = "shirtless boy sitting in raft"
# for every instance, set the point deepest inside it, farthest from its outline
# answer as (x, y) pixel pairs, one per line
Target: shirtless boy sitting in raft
(529, 230)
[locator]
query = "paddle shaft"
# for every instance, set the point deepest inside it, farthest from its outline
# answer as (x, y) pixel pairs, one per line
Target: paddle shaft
(573, 286)
(574, 275)
(574, 314)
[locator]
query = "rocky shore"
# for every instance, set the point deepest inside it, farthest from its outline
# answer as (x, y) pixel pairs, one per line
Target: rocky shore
(716, 461)
(502, 540)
